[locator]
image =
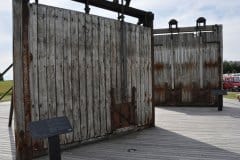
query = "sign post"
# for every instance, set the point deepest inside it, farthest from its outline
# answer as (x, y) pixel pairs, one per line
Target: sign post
(51, 129)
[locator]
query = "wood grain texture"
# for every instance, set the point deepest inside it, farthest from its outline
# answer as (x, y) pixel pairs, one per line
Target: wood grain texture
(77, 60)
(82, 75)
(51, 66)
(42, 60)
(67, 70)
(102, 77)
(96, 80)
(107, 56)
(192, 59)
(75, 76)
(34, 63)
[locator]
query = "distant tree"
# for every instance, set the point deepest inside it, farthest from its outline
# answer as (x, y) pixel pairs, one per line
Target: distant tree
(231, 67)
(227, 68)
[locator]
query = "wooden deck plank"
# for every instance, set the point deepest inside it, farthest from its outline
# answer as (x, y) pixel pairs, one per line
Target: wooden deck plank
(180, 133)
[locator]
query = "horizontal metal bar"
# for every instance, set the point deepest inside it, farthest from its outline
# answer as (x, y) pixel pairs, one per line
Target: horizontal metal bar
(207, 28)
(9, 67)
(5, 93)
(117, 8)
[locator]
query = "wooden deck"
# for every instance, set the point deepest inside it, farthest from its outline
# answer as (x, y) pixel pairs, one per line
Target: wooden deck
(7, 143)
(180, 134)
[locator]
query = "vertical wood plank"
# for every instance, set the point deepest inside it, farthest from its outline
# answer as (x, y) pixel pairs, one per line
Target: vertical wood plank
(129, 56)
(89, 75)
(107, 72)
(133, 56)
(51, 70)
(146, 78)
(42, 64)
(118, 61)
(75, 76)
(142, 76)
(67, 74)
(102, 78)
(21, 78)
(34, 63)
(96, 80)
(42, 49)
(138, 69)
(149, 58)
(82, 75)
(59, 65)
(113, 53)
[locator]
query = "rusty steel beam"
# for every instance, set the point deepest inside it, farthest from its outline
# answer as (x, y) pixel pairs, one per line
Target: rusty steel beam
(143, 16)
(208, 28)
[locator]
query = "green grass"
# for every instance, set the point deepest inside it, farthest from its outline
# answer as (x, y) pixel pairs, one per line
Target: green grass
(4, 87)
(231, 95)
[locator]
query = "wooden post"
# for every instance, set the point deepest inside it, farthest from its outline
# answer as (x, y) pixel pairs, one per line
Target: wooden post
(220, 39)
(10, 112)
(21, 101)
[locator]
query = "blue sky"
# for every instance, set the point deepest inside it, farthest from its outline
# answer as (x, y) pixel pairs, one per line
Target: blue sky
(186, 12)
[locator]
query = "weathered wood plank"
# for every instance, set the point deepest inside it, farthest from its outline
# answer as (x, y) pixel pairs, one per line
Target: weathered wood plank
(82, 75)
(133, 56)
(118, 61)
(146, 75)
(59, 65)
(42, 59)
(142, 77)
(102, 78)
(149, 58)
(107, 55)
(67, 68)
(113, 73)
(51, 70)
(18, 71)
(34, 63)
(138, 78)
(113, 52)
(129, 61)
(89, 75)
(75, 76)
(96, 80)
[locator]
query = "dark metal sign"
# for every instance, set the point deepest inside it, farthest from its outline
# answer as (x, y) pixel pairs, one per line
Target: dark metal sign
(50, 127)
(217, 92)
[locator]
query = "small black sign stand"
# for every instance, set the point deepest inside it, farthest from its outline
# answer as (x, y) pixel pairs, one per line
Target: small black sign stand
(219, 93)
(51, 129)
(54, 148)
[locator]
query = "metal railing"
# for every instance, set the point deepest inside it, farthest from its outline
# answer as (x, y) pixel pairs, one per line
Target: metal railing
(1, 77)
(6, 93)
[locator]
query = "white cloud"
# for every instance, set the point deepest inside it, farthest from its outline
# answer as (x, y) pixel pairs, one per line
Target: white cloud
(6, 5)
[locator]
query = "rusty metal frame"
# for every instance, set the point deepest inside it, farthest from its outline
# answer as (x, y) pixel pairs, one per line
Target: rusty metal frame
(144, 17)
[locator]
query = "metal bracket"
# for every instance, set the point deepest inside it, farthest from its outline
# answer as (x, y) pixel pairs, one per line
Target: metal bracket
(200, 24)
(87, 8)
(201, 20)
(171, 23)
